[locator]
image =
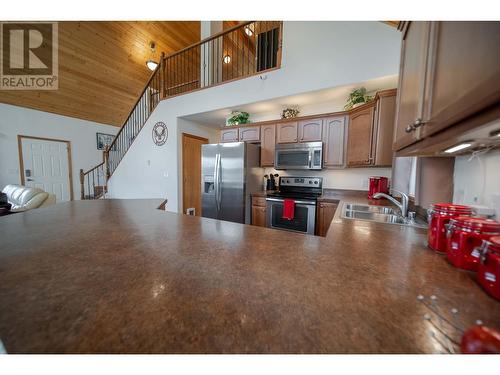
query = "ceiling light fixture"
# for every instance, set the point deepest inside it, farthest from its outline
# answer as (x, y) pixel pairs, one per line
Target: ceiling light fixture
(151, 63)
(226, 59)
(248, 30)
(458, 147)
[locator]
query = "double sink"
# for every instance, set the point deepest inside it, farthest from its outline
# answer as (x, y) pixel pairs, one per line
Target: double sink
(379, 214)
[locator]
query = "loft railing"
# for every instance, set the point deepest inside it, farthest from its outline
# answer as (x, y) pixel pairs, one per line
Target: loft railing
(241, 51)
(246, 49)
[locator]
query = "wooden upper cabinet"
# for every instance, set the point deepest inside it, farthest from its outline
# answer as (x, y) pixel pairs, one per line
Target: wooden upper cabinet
(286, 132)
(411, 87)
(229, 135)
(249, 134)
(267, 145)
(464, 72)
(383, 128)
(333, 141)
(310, 130)
(359, 149)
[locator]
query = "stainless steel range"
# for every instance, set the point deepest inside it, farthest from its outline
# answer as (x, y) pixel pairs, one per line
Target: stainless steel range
(304, 191)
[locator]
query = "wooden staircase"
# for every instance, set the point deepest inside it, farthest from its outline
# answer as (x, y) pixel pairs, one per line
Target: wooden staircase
(247, 49)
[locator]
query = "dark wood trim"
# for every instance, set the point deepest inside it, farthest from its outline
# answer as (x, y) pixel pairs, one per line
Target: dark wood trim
(198, 138)
(195, 137)
(21, 161)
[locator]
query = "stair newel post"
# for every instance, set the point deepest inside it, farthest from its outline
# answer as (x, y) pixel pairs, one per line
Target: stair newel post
(163, 79)
(106, 166)
(82, 178)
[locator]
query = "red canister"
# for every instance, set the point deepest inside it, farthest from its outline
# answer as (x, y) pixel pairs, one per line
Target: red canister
(439, 215)
(488, 273)
(378, 185)
(465, 236)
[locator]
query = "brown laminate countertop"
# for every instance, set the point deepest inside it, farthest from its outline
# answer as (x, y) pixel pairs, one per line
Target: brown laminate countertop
(120, 276)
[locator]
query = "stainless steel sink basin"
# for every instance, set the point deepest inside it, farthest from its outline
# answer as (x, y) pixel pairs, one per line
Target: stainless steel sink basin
(379, 214)
(372, 216)
(366, 208)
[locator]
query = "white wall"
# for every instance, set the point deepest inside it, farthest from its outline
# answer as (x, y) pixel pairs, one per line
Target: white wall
(477, 180)
(350, 179)
(316, 55)
(16, 121)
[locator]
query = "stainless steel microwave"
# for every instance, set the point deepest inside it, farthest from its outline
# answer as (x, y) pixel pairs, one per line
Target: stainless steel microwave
(307, 155)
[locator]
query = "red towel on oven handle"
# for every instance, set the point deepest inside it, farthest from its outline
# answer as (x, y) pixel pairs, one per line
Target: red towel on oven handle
(288, 209)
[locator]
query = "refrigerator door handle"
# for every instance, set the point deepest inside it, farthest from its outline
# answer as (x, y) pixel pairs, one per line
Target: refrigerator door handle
(219, 189)
(216, 181)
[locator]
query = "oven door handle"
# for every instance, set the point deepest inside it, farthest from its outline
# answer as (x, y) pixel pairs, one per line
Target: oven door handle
(308, 203)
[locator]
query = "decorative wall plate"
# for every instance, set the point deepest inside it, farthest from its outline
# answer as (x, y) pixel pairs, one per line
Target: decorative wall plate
(160, 133)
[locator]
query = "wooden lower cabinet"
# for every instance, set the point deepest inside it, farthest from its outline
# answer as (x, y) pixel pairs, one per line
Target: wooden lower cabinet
(324, 216)
(259, 211)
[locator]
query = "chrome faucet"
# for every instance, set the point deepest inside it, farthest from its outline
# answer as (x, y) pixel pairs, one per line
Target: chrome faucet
(403, 206)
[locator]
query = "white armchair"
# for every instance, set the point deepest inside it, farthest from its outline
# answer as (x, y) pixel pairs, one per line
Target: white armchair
(24, 198)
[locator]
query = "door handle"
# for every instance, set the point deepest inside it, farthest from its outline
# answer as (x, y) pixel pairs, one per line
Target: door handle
(29, 179)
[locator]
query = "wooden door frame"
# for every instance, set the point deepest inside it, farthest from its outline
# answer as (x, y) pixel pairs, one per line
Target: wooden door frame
(21, 161)
(192, 136)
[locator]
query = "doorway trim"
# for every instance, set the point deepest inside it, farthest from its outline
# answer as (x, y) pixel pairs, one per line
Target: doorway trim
(183, 160)
(21, 161)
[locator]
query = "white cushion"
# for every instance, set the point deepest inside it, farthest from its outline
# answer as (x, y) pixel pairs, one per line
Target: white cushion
(24, 198)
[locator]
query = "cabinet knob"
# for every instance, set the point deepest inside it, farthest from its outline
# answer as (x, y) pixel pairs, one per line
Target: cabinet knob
(409, 128)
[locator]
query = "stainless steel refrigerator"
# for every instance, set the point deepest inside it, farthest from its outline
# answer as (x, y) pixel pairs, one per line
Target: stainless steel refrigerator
(230, 172)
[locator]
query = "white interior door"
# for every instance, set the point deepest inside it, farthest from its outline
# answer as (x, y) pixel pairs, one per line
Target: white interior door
(46, 166)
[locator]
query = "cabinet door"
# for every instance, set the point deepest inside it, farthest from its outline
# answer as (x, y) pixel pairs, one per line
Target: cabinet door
(259, 216)
(310, 130)
(229, 135)
(359, 149)
(334, 139)
(464, 66)
(411, 87)
(324, 217)
(384, 128)
(250, 134)
(267, 145)
(287, 132)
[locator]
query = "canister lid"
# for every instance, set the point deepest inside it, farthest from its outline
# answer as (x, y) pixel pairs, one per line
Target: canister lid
(450, 208)
(495, 241)
(493, 245)
(478, 224)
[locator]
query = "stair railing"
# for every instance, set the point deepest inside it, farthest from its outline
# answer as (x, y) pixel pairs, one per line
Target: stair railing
(241, 51)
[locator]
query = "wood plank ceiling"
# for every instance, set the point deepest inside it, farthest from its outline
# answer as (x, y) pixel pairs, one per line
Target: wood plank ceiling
(102, 67)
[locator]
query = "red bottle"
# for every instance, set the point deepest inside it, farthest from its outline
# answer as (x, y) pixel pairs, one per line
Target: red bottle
(465, 236)
(488, 273)
(439, 215)
(378, 185)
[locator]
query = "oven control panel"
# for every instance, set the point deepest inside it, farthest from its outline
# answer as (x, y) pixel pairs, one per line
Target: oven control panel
(311, 182)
